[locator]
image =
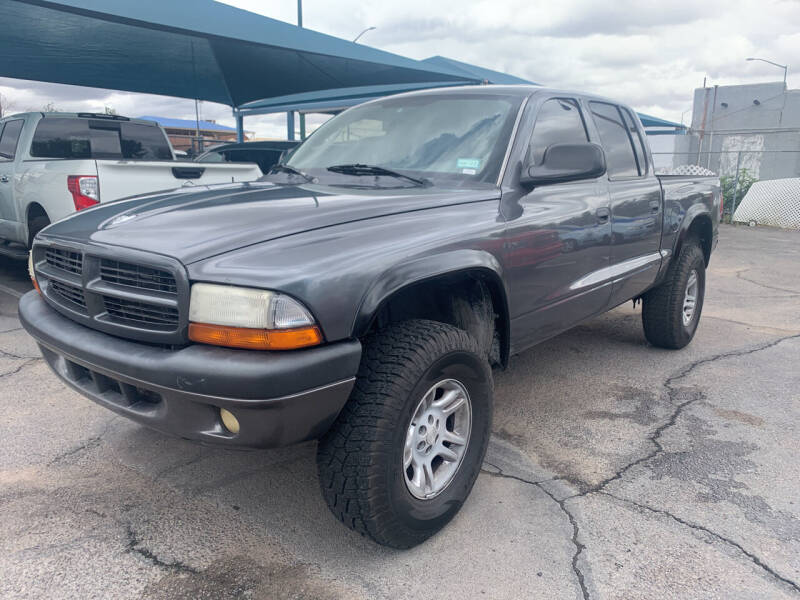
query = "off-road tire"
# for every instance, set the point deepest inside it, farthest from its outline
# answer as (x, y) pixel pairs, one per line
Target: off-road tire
(360, 460)
(662, 307)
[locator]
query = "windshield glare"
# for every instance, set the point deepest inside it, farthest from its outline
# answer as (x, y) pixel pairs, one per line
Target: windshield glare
(460, 136)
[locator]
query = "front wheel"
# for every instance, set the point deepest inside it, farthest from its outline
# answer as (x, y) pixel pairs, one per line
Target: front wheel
(405, 452)
(671, 312)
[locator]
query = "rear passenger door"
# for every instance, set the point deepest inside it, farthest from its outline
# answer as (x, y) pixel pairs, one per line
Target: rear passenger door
(636, 208)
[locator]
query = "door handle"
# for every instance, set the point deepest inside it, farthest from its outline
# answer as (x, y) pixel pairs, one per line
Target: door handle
(3, 178)
(655, 206)
(602, 214)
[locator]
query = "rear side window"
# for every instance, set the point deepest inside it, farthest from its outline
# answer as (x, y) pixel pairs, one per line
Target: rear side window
(61, 138)
(9, 138)
(559, 121)
(617, 143)
(143, 142)
(95, 138)
(638, 142)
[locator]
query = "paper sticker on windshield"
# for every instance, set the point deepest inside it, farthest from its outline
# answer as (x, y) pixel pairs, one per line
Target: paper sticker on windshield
(468, 163)
(468, 171)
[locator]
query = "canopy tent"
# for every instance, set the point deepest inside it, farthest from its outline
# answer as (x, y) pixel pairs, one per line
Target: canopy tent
(656, 126)
(336, 100)
(210, 51)
(189, 48)
(456, 67)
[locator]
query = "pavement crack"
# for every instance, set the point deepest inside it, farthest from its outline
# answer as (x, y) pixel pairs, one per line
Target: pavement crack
(134, 546)
(764, 285)
(579, 547)
(18, 356)
(88, 444)
(27, 362)
(500, 473)
(752, 557)
(673, 392)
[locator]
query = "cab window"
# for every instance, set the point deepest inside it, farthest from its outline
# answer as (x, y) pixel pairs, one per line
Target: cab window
(9, 138)
(617, 142)
(558, 121)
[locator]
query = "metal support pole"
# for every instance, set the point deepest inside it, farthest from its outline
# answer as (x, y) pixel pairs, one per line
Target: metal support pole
(290, 126)
(239, 126)
(302, 126)
(736, 184)
(197, 125)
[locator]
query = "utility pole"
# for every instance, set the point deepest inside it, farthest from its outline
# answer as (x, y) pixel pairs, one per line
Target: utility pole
(302, 116)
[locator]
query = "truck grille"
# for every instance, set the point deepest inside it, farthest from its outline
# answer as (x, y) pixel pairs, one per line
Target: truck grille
(70, 293)
(122, 292)
(66, 260)
(130, 312)
(137, 276)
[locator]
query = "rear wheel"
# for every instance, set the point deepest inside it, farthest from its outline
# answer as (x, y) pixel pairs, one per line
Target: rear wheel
(671, 312)
(35, 225)
(405, 452)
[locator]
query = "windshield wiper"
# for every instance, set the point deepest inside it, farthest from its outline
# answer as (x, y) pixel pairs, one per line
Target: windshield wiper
(287, 169)
(361, 169)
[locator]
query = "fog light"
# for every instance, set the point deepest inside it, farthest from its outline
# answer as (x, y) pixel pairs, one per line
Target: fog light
(231, 423)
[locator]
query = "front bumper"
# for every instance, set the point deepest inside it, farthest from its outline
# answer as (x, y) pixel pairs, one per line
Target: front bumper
(279, 398)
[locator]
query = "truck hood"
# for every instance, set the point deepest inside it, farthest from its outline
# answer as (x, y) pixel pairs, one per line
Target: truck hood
(195, 224)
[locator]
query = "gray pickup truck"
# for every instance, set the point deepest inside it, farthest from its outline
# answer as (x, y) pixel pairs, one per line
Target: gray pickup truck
(362, 291)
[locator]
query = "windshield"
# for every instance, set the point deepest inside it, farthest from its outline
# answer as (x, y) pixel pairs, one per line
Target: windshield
(435, 136)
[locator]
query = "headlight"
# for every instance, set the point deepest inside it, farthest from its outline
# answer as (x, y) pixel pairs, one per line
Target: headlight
(239, 317)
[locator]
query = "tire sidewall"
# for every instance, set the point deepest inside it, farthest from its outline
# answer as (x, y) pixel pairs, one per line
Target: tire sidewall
(425, 515)
(695, 264)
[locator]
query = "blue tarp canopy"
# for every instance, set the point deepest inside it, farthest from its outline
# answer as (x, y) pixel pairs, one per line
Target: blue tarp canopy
(474, 72)
(190, 49)
(334, 100)
(188, 124)
(649, 121)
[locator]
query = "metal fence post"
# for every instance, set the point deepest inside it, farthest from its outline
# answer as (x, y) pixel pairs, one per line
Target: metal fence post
(736, 184)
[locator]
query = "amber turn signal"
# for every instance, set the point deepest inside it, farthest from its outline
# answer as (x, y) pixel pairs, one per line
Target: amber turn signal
(255, 339)
(32, 273)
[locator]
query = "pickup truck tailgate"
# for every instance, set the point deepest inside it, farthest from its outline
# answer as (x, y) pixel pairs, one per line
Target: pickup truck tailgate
(119, 179)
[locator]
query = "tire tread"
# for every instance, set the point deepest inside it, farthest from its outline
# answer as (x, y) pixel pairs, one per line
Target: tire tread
(353, 484)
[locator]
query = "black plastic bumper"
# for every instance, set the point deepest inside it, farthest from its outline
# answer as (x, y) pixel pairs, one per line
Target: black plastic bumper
(279, 398)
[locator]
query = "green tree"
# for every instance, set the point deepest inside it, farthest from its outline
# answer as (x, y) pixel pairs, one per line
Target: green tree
(728, 184)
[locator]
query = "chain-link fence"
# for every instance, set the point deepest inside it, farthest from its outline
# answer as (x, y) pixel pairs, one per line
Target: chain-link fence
(737, 168)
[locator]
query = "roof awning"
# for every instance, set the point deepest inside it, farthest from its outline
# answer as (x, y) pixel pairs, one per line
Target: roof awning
(335, 100)
(650, 121)
(190, 49)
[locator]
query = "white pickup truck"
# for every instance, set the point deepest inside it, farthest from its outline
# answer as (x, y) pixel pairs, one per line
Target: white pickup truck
(52, 164)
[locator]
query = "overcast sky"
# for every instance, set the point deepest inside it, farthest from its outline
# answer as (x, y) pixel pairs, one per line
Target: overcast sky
(648, 54)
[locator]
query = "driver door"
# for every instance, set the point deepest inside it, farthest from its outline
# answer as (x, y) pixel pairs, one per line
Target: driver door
(560, 238)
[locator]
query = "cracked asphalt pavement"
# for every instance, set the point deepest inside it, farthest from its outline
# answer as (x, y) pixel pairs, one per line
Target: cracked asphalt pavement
(615, 470)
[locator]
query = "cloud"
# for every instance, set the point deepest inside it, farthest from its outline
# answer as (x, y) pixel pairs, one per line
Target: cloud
(650, 54)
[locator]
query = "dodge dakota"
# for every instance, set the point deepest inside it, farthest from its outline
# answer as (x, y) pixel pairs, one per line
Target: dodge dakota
(363, 290)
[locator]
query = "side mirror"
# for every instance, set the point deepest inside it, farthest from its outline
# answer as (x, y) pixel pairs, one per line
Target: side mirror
(566, 162)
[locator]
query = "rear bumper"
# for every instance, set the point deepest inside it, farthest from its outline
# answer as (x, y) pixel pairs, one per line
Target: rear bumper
(279, 398)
